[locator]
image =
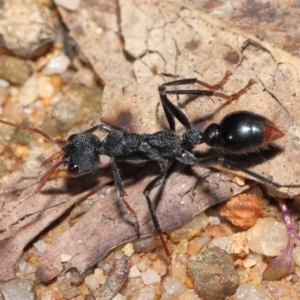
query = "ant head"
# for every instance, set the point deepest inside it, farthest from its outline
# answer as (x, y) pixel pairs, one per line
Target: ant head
(81, 153)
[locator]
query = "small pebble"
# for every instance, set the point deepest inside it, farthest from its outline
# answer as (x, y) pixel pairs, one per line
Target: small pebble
(268, 237)
(150, 277)
(56, 82)
(251, 292)
(248, 263)
(77, 105)
(213, 274)
(214, 220)
(146, 244)
(26, 28)
(179, 266)
(239, 243)
(190, 229)
(28, 92)
(128, 249)
(57, 65)
(19, 288)
(4, 83)
(44, 88)
(147, 292)
(118, 297)
(219, 230)
(86, 77)
(40, 246)
(92, 283)
(193, 247)
(22, 265)
(173, 287)
(142, 265)
(181, 247)
(223, 242)
(189, 283)
(120, 253)
(14, 70)
(243, 210)
(134, 272)
(99, 275)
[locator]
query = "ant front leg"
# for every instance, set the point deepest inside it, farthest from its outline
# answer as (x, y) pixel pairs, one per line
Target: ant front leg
(122, 194)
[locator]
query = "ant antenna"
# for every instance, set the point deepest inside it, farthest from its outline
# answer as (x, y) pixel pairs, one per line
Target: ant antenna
(50, 173)
(50, 138)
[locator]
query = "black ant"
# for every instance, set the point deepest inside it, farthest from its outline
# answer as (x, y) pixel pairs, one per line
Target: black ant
(238, 132)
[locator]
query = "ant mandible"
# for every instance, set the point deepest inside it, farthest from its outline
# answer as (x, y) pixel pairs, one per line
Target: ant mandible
(238, 132)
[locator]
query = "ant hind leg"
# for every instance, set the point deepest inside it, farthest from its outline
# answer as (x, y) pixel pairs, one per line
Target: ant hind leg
(153, 184)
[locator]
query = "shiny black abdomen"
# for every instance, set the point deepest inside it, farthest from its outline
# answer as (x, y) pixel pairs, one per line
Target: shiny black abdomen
(242, 131)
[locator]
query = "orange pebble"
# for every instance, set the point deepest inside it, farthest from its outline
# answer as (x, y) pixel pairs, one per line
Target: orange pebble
(153, 257)
(56, 82)
(189, 283)
(46, 101)
(193, 247)
(243, 210)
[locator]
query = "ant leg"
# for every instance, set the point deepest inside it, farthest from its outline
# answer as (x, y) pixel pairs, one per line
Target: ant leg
(214, 87)
(230, 164)
(101, 127)
(218, 85)
(122, 194)
(189, 159)
(229, 98)
(53, 140)
(153, 184)
(236, 95)
(172, 111)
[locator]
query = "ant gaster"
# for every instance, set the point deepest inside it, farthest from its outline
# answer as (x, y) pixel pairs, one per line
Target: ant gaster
(238, 132)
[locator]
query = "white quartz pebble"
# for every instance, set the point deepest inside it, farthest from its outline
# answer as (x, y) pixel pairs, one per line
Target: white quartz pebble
(150, 276)
(267, 236)
(57, 65)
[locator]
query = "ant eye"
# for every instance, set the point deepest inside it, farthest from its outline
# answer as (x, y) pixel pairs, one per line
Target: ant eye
(72, 168)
